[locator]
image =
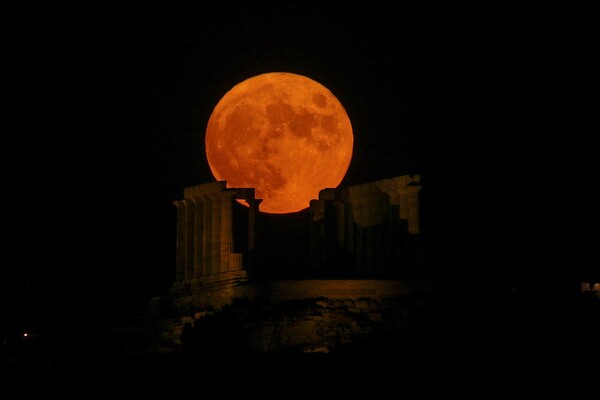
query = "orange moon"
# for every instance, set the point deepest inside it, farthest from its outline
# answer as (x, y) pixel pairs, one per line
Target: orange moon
(283, 134)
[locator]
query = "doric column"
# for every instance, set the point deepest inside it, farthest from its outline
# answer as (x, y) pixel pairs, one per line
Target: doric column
(358, 248)
(413, 208)
(393, 195)
(348, 227)
(403, 203)
(198, 236)
(206, 235)
(340, 222)
(189, 238)
(226, 229)
(317, 210)
(180, 242)
(215, 237)
(253, 213)
(358, 211)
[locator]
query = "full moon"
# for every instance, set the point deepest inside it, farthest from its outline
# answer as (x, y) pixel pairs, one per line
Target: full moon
(285, 135)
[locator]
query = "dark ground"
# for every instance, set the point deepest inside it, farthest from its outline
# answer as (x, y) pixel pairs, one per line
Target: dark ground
(522, 344)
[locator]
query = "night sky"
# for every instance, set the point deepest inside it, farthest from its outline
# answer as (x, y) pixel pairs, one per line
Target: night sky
(106, 105)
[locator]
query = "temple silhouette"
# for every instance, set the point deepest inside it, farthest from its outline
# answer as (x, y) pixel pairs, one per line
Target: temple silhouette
(340, 271)
(346, 273)
(363, 231)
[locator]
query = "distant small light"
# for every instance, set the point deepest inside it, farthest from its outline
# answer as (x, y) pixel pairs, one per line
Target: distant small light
(25, 334)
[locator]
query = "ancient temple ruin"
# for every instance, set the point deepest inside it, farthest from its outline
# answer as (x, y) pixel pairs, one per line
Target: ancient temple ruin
(215, 234)
(369, 230)
(331, 271)
(366, 230)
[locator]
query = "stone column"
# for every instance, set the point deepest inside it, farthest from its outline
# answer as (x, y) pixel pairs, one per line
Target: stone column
(198, 236)
(403, 203)
(360, 213)
(253, 226)
(340, 223)
(215, 236)
(226, 229)
(413, 208)
(206, 234)
(348, 228)
(189, 238)
(252, 217)
(394, 196)
(358, 248)
(180, 242)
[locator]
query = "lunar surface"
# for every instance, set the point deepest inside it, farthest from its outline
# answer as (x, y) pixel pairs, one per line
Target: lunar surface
(283, 134)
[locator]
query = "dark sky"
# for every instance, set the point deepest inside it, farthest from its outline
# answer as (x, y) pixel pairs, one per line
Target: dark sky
(107, 105)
